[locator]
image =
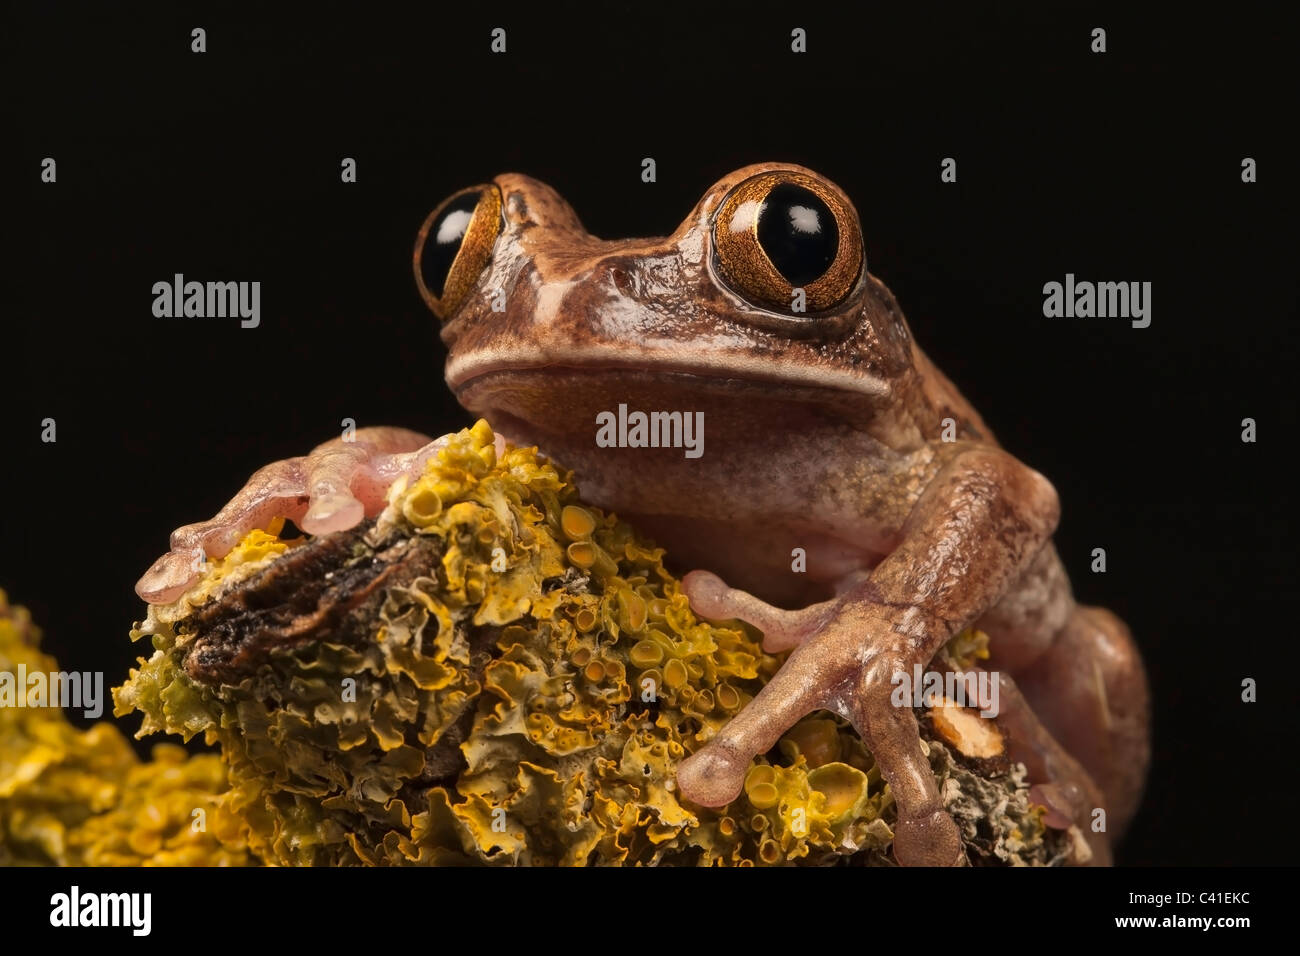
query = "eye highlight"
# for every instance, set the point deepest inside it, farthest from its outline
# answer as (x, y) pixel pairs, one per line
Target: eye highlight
(780, 231)
(454, 246)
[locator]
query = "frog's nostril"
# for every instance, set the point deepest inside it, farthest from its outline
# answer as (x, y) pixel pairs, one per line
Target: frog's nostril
(622, 275)
(622, 280)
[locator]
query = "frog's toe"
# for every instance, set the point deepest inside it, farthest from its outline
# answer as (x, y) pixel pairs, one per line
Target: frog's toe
(332, 471)
(332, 512)
(930, 840)
(170, 576)
(274, 491)
(782, 630)
(714, 776)
(1058, 801)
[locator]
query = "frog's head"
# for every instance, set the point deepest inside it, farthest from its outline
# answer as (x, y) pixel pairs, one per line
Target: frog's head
(761, 292)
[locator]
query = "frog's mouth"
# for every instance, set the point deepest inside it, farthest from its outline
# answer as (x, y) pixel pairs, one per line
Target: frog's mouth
(492, 372)
(555, 405)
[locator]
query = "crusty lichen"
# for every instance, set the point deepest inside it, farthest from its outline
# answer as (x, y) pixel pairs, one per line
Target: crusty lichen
(525, 702)
(83, 798)
(998, 822)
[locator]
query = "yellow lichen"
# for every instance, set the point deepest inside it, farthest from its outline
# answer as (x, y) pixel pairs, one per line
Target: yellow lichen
(599, 681)
(254, 552)
(83, 798)
(967, 647)
(526, 701)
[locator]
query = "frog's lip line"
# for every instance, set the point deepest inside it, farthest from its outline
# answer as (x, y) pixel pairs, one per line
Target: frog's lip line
(461, 376)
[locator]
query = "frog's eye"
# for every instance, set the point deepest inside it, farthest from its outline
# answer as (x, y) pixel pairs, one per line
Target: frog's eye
(779, 232)
(454, 246)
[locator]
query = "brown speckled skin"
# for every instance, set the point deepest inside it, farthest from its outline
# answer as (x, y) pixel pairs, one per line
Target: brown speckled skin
(822, 434)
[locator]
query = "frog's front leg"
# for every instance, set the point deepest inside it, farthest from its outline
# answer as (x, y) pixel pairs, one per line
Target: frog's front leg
(966, 541)
(329, 489)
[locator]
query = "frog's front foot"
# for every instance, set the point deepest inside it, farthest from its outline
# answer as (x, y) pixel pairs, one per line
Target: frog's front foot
(845, 654)
(330, 489)
(973, 531)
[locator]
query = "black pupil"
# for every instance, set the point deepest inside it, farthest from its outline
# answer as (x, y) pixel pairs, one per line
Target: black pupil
(443, 241)
(798, 233)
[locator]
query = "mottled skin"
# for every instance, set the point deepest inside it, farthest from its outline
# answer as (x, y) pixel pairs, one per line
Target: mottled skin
(823, 434)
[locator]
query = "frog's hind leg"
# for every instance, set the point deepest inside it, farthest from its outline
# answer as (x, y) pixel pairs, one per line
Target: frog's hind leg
(1090, 688)
(1061, 782)
(1083, 676)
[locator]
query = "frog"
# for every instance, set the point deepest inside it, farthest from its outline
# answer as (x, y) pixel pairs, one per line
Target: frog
(842, 498)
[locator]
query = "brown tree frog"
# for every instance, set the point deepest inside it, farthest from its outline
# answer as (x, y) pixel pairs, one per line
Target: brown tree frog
(825, 426)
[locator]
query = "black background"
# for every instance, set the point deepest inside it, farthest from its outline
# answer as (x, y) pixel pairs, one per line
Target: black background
(1122, 166)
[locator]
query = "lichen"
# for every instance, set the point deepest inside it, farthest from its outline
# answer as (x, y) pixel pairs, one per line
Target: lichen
(83, 798)
(967, 647)
(999, 824)
(490, 672)
(525, 701)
